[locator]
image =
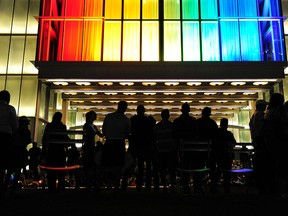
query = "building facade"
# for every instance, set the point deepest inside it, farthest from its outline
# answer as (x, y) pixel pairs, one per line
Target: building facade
(77, 55)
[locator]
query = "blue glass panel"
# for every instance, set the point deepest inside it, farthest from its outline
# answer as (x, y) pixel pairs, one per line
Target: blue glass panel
(228, 8)
(190, 9)
(230, 43)
(191, 41)
(210, 41)
(208, 9)
(250, 46)
(275, 8)
(247, 8)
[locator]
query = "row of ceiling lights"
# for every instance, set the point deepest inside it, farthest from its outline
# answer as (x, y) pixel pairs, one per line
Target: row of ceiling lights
(64, 83)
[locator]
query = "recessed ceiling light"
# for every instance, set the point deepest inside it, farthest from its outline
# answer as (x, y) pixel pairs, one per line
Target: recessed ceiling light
(149, 83)
(249, 93)
(216, 83)
(240, 101)
(78, 101)
(238, 83)
(171, 83)
(90, 93)
(110, 93)
(126, 83)
(222, 101)
(114, 101)
(149, 101)
(204, 101)
(61, 83)
(129, 93)
(193, 83)
(189, 93)
(83, 83)
(169, 93)
(70, 93)
(210, 93)
(260, 83)
(187, 101)
(229, 93)
(168, 101)
(149, 93)
(96, 101)
(132, 101)
(105, 83)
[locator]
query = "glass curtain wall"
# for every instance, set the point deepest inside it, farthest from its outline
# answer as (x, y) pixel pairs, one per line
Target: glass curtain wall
(161, 30)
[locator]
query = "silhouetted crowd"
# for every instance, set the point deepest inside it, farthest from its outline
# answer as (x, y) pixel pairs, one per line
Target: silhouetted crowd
(142, 152)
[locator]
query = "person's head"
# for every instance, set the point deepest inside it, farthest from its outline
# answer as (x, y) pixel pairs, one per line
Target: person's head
(5, 96)
(122, 106)
(206, 112)
(23, 121)
(261, 105)
(165, 114)
(57, 117)
(140, 110)
(224, 123)
(276, 100)
(185, 108)
(91, 116)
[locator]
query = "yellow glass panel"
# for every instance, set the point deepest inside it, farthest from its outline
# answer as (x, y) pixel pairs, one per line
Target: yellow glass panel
(16, 55)
(92, 41)
(112, 41)
(2, 82)
(32, 25)
(13, 86)
(4, 44)
(29, 55)
(150, 9)
(131, 41)
(150, 41)
(131, 9)
(113, 9)
(172, 41)
(6, 10)
(94, 8)
(20, 15)
(171, 9)
(28, 96)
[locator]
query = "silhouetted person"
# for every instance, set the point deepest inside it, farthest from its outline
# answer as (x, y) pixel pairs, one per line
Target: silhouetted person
(221, 148)
(54, 143)
(186, 127)
(92, 178)
(73, 158)
(8, 127)
(116, 128)
(275, 131)
(34, 156)
(141, 141)
(166, 150)
(22, 139)
(260, 160)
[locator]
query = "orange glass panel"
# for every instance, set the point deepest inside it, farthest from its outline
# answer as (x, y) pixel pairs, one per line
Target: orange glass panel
(94, 8)
(131, 9)
(150, 9)
(113, 9)
(150, 41)
(112, 41)
(92, 41)
(131, 41)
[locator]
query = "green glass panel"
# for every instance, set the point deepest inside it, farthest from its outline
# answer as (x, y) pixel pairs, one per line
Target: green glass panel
(190, 9)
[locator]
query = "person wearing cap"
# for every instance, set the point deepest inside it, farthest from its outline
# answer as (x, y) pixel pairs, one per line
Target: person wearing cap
(8, 126)
(256, 125)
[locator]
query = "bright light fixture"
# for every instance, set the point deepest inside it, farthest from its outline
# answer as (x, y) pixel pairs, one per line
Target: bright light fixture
(193, 83)
(110, 93)
(204, 101)
(90, 93)
(70, 93)
(168, 101)
(171, 83)
(189, 93)
(149, 83)
(83, 83)
(105, 83)
(229, 93)
(169, 93)
(129, 93)
(260, 83)
(150, 101)
(126, 83)
(210, 93)
(238, 83)
(216, 83)
(149, 93)
(96, 101)
(60, 83)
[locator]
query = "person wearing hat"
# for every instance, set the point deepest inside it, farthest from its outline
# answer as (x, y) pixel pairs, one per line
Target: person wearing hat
(22, 139)
(256, 125)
